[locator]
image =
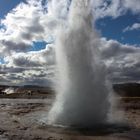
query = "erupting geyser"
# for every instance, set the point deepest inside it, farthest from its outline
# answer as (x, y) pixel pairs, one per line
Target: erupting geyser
(82, 88)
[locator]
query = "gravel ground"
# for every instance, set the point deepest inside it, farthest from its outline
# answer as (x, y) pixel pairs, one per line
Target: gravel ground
(24, 119)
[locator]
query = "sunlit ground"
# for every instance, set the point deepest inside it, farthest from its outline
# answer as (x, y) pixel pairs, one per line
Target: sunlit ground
(25, 119)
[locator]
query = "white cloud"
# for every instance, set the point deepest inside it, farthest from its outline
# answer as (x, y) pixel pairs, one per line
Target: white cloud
(29, 22)
(133, 5)
(115, 8)
(122, 61)
(22, 26)
(26, 23)
(40, 58)
(135, 26)
(29, 68)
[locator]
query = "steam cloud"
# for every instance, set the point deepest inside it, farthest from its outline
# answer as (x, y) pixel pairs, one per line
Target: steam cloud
(83, 92)
(9, 91)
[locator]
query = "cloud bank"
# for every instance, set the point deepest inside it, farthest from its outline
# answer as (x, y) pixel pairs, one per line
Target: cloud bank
(35, 21)
(122, 61)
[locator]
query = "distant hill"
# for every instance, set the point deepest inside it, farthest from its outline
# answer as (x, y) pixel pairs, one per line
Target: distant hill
(31, 91)
(127, 89)
(27, 91)
(32, 86)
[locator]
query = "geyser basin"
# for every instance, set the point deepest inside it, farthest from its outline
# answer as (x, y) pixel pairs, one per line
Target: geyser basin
(83, 92)
(96, 130)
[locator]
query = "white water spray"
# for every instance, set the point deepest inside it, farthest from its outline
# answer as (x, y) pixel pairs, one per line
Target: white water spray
(82, 89)
(9, 90)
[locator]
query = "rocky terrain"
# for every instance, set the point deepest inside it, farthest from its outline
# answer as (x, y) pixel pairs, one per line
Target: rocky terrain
(23, 116)
(29, 91)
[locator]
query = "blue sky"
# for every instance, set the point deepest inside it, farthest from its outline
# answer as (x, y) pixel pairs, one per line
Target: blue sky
(111, 28)
(27, 38)
(7, 5)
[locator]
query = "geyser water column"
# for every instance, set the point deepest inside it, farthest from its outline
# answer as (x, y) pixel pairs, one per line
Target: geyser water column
(82, 98)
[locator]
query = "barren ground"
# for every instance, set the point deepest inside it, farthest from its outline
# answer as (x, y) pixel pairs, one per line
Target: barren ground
(24, 119)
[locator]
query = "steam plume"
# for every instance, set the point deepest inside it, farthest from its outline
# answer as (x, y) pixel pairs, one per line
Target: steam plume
(82, 88)
(9, 91)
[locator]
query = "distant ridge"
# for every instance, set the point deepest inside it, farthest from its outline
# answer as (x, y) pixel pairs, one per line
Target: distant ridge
(33, 86)
(122, 89)
(127, 89)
